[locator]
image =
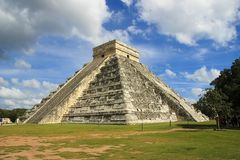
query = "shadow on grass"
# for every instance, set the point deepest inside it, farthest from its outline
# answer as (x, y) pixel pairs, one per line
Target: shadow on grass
(197, 126)
(232, 128)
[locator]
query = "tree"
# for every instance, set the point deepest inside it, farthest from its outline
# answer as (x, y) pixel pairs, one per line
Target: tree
(214, 104)
(12, 114)
(229, 83)
(223, 99)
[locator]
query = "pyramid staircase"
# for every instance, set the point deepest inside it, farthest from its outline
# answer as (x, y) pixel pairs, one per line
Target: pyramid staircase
(113, 89)
(62, 94)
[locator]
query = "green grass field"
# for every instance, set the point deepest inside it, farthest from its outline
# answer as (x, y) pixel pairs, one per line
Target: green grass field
(183, 140)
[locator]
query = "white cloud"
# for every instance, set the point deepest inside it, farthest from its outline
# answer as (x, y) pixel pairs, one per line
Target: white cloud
(199, 55)
(115, 34)
(19, 103)
(3, 81)
(29, 102)
(190, 21)
(23, 22)
(49, 86)
(25, 93)
(15, 81)
(170, 73)
(32, 83)
(151, 54)
(136, 31)
(32, 93)
(127, 2)
(202, 75)
(11, 93)
(197, 92)
(117, 17)
(21, 64)
(9, 102)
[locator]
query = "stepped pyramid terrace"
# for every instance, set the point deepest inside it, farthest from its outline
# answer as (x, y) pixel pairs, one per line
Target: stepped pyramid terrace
(115, 88)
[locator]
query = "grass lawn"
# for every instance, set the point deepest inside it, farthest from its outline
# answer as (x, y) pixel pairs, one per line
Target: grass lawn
(183, 140)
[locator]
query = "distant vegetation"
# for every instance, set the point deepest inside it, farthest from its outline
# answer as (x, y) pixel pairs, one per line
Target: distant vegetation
(12, 114)
(223, 100)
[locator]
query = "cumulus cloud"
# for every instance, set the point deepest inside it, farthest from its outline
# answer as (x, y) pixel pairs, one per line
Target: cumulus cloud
(30, 102)
(9, 102)
(22, 103)
(15, 81)
(200, 54)
(117, 17)
(127, 2)
(3, 81)
(197, 91)
(170, 73)
(119, 34)
(49, 86)
(134, 30)
(151, 54)
(190, 21)
(32, 83)
(203, 75)
(21, 64)
(25, 93)
(23, 22)
(11, 93)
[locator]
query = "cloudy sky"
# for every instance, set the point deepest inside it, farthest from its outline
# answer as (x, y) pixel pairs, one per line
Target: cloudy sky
(42, 42)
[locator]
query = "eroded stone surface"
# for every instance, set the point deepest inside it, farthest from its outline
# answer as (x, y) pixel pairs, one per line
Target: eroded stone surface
(116, 89)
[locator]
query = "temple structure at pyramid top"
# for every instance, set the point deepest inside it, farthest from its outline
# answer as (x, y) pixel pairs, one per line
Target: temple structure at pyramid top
(115, 47)
(113, 89)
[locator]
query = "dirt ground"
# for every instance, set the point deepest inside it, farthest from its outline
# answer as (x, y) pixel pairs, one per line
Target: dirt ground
(17, 147)
(25, 147)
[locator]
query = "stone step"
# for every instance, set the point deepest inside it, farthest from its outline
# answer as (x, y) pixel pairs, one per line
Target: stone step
(66, 89)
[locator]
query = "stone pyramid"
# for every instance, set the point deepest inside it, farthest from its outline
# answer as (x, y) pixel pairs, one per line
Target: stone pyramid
(113, 89)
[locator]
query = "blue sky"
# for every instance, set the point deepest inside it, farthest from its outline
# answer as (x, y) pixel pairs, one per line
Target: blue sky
(186, 43)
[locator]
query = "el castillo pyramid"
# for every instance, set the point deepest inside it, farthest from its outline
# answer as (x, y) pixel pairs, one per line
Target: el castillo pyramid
(113, 89)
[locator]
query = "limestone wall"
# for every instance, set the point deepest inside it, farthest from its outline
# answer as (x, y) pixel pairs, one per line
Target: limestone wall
(183, 106)
(53, 110)
(115, 47)
(102, 101)
(145, 101)
(120, 94)
(56, 114)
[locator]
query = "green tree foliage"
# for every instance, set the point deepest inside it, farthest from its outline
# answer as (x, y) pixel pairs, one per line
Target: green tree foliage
(214, 103)
(12, 114)
(224, 99)
(229, 84)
